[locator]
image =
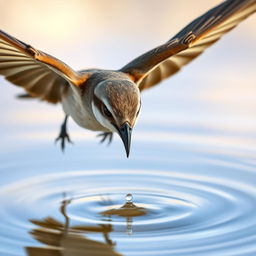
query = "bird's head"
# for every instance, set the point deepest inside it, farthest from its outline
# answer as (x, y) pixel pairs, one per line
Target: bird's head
(116, 106)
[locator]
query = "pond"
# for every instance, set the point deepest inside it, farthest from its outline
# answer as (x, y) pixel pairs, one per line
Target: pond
(193, 185)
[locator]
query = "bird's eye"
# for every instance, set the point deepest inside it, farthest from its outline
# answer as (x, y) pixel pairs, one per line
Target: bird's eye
(106, 112)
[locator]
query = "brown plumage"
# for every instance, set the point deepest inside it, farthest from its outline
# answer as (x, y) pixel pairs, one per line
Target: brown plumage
(40, 74)
(109, 101)
(122, 97)
(164, 61)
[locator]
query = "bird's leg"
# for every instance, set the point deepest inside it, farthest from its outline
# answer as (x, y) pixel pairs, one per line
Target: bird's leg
(63, 136)
(106, 135)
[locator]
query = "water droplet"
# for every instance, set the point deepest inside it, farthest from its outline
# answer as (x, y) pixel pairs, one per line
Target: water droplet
(129, 198)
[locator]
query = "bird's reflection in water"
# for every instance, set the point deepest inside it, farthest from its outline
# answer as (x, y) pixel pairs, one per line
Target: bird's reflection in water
(61, 239)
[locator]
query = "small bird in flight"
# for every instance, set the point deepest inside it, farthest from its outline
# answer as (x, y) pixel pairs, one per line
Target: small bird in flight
(109, 100)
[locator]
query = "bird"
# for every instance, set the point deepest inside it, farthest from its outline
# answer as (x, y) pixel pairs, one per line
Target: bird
(109, 101)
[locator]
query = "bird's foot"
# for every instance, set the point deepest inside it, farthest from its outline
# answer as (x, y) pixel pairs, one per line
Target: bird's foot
(63, 137)
(106, 135)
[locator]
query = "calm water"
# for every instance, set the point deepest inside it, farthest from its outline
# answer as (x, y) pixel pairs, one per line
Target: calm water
(191, 174)
(192, 189)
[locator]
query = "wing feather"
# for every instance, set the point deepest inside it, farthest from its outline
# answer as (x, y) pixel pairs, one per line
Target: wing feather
(40, 74)
(164, 61)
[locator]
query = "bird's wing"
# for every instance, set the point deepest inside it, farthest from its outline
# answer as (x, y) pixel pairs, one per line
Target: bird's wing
(40, 74)
(152, 67)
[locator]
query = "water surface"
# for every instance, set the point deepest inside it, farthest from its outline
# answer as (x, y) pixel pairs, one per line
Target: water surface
(188, 199)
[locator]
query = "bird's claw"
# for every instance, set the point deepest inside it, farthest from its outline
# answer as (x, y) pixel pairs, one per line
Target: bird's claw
(63, 137)
(106, 135)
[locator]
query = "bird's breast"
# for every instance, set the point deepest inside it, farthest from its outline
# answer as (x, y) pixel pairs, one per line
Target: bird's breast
(80, 113)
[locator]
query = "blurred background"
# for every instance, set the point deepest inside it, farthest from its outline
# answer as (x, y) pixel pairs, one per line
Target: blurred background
(215, 93)
(195, 140)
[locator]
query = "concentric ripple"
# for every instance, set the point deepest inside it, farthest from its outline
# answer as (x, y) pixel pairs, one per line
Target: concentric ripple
(173, 212)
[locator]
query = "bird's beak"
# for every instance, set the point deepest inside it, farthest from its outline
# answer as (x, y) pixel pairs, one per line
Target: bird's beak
(125, 132)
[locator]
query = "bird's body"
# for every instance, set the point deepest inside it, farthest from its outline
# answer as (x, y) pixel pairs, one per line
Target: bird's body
(81, 108)
(109, 101)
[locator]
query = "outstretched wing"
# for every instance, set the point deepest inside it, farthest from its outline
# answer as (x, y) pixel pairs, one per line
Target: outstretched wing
(152, 67)
(40, 74)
